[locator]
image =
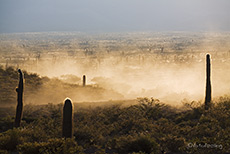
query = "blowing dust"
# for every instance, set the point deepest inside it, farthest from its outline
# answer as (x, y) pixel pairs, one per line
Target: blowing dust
(132, 77)
(169, 66)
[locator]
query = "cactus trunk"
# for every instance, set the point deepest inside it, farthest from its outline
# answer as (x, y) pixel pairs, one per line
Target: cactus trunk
(19, 91)
(208, 83)
(84, 80)
(67, 123)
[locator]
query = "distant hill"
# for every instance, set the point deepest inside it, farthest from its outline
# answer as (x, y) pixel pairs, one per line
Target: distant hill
(43, 90)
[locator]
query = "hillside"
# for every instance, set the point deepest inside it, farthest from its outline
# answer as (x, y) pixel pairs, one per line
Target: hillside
(44, 90)
(140, 126)
(149, 126)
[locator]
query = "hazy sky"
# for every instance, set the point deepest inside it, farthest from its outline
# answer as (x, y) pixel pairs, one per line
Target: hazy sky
(114, 15)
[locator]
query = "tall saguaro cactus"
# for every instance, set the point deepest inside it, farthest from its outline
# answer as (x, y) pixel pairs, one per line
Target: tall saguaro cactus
(84, 80)
(19, 91)
(208, 83)
(67, 123)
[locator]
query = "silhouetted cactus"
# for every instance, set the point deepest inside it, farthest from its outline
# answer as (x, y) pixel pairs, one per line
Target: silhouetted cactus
(208, 83)
(84, 80)
(19, 91)
(67, 123)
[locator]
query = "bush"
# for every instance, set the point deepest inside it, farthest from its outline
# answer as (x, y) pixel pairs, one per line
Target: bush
(142, 144)
(57, 146)
(10, 139)
(173, 143)
(4, 152)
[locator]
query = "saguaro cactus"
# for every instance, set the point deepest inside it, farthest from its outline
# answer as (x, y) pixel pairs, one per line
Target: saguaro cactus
(67, 123)
(84, 80)
(19, 91)
(208, 83)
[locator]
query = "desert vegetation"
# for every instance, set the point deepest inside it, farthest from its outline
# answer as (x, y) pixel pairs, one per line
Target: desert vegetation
(111, 94)
(149, 126)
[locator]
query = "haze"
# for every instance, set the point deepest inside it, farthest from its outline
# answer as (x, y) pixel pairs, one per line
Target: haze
(128, 48)
(114, 15)
(168, 66)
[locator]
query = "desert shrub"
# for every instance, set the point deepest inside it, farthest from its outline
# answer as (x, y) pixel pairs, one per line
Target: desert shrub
(57, 146)
(10, 139)
(95, 149)
(139, 152)
(130, 144)
(6, 123)
(173, 143)
(193, 112)
(84, 136)
(221, 111)
(154, 109)
(4, 151)
(41, 130)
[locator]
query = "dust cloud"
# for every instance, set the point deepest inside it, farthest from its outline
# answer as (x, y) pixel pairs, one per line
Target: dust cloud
(167, 66)
(168, 81)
